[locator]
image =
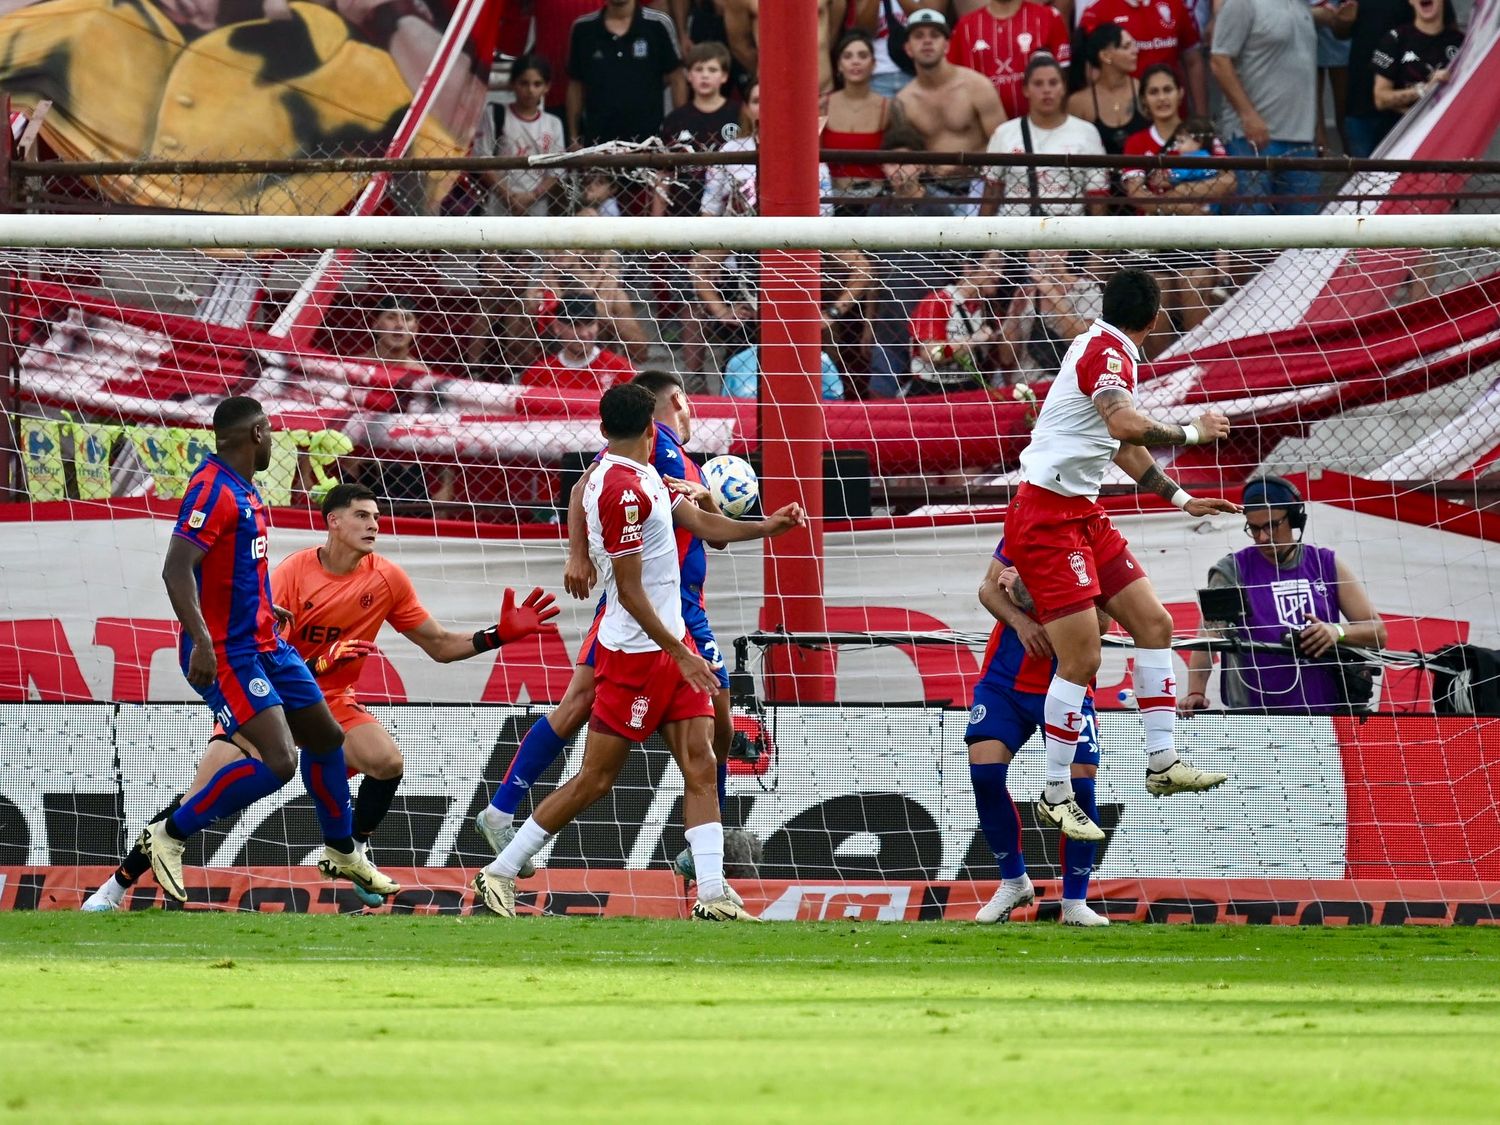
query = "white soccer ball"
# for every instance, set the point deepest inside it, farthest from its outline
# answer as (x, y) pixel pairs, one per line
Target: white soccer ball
(733, 483)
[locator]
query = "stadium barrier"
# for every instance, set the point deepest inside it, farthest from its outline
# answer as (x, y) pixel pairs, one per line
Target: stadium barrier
(863, 812)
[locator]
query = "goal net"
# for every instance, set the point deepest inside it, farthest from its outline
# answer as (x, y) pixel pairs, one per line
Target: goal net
(455, 367)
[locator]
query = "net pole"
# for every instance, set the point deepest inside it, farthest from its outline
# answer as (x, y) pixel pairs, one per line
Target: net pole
(792, 433)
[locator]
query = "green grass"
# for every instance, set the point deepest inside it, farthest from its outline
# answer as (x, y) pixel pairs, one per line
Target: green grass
(209, 1017)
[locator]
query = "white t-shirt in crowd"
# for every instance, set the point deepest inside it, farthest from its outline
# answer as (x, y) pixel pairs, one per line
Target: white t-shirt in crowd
(1074, 137)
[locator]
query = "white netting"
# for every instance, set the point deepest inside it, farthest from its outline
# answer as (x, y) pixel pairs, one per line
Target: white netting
(432, 373)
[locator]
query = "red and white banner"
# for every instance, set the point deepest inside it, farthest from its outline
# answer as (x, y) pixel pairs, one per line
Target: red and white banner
(84, 616)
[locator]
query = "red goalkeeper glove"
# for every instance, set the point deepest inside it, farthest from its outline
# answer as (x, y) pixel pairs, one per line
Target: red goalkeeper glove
(341, 652)
(517, 621)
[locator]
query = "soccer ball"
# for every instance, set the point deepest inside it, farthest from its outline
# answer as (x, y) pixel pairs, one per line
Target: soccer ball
(733, 483)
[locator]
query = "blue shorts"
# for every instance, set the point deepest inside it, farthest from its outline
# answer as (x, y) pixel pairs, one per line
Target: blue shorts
(694, 617)
(248, 685)
(1012, 717)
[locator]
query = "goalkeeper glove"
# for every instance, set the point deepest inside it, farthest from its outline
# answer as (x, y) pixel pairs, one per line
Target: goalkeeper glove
(517, 621)
(341, 652)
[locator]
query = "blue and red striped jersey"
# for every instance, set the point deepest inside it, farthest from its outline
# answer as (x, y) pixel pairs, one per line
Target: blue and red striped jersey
(223, 516)
(1007, 665)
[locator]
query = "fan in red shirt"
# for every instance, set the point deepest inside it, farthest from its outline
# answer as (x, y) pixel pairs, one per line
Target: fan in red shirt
(1000, 38)
(580, 364)
(1165, 33)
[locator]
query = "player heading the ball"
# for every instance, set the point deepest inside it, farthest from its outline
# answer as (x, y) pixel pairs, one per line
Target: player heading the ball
(1072, 558)
(648, 677)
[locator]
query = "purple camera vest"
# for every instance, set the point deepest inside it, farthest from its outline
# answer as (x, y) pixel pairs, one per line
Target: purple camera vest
(1280, 600)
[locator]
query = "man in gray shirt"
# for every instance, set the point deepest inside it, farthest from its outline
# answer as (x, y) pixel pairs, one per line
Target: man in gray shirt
(1265, 60)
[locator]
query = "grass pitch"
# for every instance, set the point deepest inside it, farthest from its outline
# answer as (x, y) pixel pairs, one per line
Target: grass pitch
(213, 1017)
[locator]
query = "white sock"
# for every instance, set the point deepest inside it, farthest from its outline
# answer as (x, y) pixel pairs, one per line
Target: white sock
(494, 819)
(113, 890)
(1156, 695)
(530, 838)
(1062, 717)
(707, 843)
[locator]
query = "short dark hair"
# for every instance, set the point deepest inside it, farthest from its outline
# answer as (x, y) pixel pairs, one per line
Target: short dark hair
(534, 62)
(656, 381)
(853, 35)
(577, 305)
(1132, 298)
(234, 412)
(708, 51)
(1105, 37)
(626, 410)
(1039, 61)
(342, 496)
(900, 134)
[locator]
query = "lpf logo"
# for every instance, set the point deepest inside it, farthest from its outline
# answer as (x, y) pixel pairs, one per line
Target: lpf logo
(1294, 600)
(638, 710)
(1080, 567)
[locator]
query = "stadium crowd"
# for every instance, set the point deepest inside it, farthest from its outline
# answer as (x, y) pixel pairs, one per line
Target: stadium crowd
(1131, 77)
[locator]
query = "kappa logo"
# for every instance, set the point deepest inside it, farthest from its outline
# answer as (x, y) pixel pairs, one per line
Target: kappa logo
(1080, 567)
(259, 687)
(629, 497)
(638, 708)
(977, 714)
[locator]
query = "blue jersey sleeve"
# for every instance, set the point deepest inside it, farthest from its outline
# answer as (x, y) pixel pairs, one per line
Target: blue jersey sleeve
(207, 510)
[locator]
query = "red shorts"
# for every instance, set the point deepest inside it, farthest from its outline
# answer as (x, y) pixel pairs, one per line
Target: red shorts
(1067, 552)
(636, 693)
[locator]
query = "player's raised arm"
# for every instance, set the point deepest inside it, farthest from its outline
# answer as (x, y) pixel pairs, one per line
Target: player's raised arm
(525, 619)
(579, 574)
(1133, 427)
(1147, 474)
(712, 526)
(179, 575)
(1004, 607)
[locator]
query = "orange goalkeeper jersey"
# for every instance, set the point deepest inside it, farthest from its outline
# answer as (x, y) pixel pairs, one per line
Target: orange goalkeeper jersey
(334, 607)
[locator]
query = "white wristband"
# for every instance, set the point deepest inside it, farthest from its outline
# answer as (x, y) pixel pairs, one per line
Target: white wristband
(1182, 497)
(1190, 434)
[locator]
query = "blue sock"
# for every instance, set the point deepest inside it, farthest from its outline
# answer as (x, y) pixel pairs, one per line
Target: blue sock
(237, 786)
(327, 783)
(1077, 856)
(723, 785)
(538, 750)
(998, 818)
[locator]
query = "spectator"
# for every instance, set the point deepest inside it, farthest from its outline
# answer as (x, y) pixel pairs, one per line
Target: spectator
(547, 26)
(702, 21)
(999, 40)
(1188, 281)
(579, 364)
(1413, 57)
(857, 116)
(599, 193)
(903, 277)
(730, 189)
(1293, 591)
(742, 28)
(1166, 34)
(1048, 305)
(1265, 59)
(877, 17)
(1365, 26)
(600, 272)
(401, 484)
(742, 376)
(619, 59)
(1333, 77)
(953, 108)
(523, 128)
(724, 308)
(1111, 102)
(951, 329)
(707, 121)
(1046, 129)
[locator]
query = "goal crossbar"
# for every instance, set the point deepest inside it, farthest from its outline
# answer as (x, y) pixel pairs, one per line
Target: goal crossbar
(374, 233)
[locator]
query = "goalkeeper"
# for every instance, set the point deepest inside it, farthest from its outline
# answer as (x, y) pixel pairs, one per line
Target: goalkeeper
(341, 594)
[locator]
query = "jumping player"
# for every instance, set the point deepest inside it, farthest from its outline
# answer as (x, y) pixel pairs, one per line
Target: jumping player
(549, 734)
(219, 584)
(647, 675)
(341, 594)
(1072, 559)
(1007, 710)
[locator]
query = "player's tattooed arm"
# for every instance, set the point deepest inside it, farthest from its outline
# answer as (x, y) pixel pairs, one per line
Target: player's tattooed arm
(1155, 481)
(1128, 424)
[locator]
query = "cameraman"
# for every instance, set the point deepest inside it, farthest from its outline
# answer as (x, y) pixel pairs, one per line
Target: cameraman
(1295, 593)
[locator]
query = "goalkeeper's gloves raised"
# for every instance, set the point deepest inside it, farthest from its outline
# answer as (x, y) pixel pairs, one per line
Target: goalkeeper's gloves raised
(517, 621)
(341, 652)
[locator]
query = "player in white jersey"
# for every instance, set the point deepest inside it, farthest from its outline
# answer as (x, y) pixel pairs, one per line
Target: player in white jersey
(1072, 559)
(647, 676)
